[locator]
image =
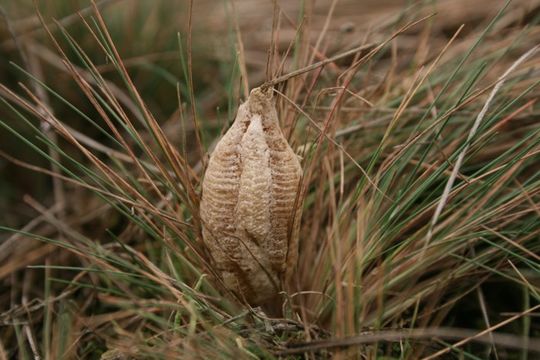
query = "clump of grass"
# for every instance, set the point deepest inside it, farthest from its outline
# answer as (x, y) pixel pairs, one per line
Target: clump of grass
(420, 151)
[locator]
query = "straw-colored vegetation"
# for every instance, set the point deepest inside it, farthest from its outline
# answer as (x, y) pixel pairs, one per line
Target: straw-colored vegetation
(418, 133)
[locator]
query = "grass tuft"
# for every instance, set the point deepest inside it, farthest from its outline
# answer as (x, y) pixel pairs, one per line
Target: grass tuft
(418, 135)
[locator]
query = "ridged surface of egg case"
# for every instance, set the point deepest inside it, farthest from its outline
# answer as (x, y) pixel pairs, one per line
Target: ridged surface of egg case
(249, 208)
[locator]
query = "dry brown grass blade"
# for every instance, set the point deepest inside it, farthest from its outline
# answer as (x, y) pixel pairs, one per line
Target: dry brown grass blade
(65, 21)
(533, 344)
(324, 134)
(504, 340)
(319, 64)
